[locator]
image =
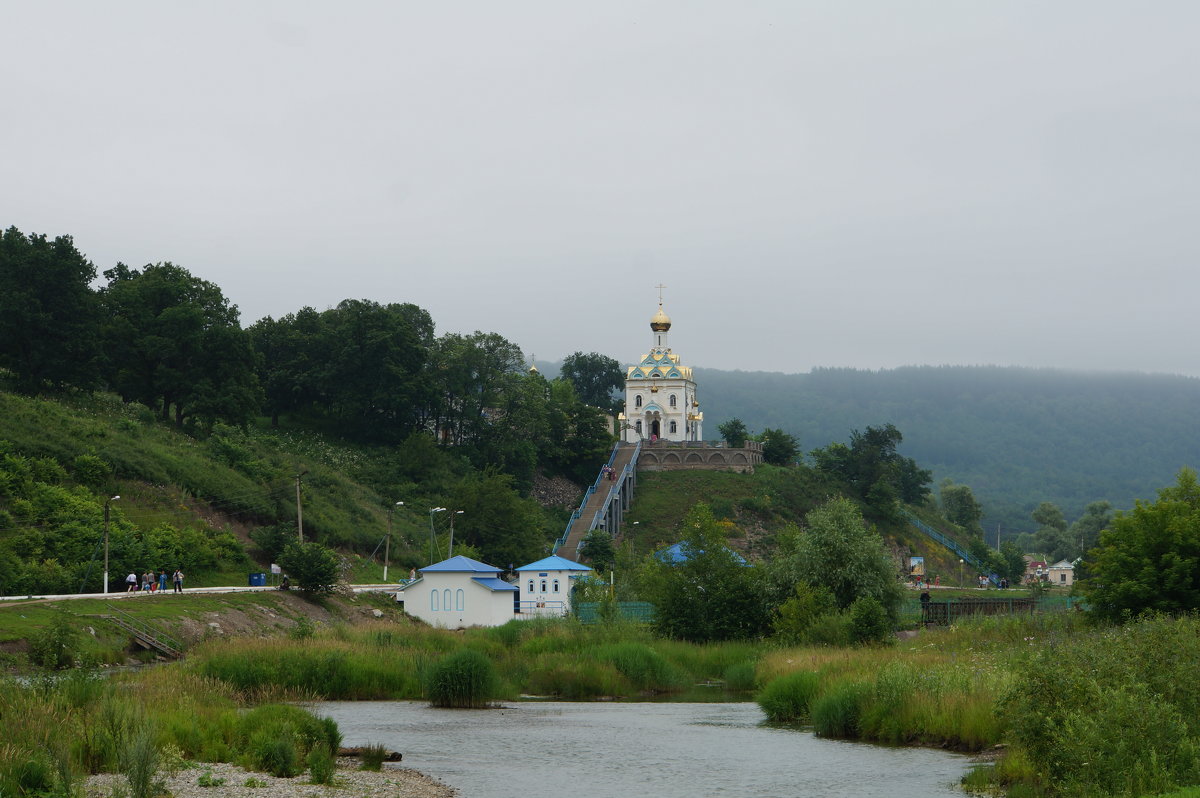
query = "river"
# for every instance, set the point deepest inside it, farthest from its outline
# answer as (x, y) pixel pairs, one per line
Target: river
(624, 750)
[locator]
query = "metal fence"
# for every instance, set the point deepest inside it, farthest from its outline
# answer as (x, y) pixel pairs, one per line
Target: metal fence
(639, 611)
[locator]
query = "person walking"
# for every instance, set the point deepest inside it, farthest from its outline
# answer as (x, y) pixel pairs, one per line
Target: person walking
(178, 579)
(131, 582)
(162, 581)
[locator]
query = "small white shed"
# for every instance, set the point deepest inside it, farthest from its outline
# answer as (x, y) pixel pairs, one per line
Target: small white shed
(546, 586)
(1062, 573)
(459, 592)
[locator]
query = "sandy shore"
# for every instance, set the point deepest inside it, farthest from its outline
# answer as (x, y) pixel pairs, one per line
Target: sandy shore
(391, 782)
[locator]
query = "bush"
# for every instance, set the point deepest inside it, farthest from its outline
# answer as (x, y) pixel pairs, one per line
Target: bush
(836, 712)
(372, 757)
(314, 567)
(466, 679)
(869, 621)
(54, 646)
(139, 763)
(274, 751)
(321, 764)
(788, 698)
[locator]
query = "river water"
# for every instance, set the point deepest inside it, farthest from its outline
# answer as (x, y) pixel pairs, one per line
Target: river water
(627, 750)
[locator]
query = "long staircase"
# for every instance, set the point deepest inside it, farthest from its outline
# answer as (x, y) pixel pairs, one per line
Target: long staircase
(143, 633)
(604, 502)
(938, 537)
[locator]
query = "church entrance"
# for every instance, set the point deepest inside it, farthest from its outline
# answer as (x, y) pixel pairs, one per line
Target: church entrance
(655, 429)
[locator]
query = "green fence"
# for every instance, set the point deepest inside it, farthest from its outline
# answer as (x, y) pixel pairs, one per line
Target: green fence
(640, 611)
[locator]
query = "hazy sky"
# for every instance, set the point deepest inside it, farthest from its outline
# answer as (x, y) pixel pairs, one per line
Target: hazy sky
(866, 184)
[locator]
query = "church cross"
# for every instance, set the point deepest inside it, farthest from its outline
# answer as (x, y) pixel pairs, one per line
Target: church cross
(660, 288)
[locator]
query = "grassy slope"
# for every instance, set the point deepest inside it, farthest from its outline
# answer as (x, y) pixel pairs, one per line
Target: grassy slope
(229, 480)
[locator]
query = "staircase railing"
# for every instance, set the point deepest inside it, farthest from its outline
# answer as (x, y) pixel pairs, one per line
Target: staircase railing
(144, 633)
(967, 557)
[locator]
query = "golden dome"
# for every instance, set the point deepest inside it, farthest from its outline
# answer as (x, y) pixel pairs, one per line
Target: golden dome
(661, 321)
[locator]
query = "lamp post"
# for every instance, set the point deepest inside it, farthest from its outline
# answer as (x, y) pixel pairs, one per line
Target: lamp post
(456, 512)
(433, 510)
(961, 583)
(388, 544)
(107, 502)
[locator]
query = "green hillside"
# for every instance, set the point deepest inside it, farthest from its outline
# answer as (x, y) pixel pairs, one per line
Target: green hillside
(1016, 436)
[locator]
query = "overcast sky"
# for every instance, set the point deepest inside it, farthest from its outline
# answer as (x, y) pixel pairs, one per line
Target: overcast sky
(867, 184)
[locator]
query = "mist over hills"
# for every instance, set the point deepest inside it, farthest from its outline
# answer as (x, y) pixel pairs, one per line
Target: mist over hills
(1017, 436)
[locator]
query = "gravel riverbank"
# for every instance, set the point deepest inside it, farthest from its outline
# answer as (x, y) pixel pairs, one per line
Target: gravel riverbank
(350, 782)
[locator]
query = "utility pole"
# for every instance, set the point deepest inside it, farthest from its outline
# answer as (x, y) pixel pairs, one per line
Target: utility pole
(388, 545)
(456, 512)
(107, 502)
(299, 509)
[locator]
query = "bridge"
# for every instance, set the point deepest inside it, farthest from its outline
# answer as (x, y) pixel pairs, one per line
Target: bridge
(605, 502)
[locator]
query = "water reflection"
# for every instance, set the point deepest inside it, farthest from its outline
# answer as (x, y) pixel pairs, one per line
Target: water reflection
(657, 749)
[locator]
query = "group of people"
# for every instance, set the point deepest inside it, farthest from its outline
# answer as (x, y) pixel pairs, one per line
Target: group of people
(153, 582)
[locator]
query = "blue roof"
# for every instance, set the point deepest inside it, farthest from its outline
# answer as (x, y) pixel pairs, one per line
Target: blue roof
(464, 564)
(673, 555)
(493, 584)
(554, 563)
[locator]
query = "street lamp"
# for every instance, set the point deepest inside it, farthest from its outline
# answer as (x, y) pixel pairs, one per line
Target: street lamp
(433, 510)
(388, 545)
(456, 512)
(107, 502)
(961, 581)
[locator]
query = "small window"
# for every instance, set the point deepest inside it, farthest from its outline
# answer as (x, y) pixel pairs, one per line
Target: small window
(637, 401)
(433, 600)
(531, 587)
(459, 599)
(555, 585)
(446, 605)
(639, 427)
(672, 400)
(673, 427)
(543, 585)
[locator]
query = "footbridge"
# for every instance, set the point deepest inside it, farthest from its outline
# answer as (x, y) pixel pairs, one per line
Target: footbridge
(938, 537)
(605, 502)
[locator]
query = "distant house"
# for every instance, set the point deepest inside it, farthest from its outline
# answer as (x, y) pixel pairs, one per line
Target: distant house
(459, 592)
(546, 586)
(1062, 573)
(1035, 570)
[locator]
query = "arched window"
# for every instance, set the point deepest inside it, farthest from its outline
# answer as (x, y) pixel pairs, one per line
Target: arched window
(459, 599)
(672, 400)
(673, 427)
(555, 585)
(543, 585)
(637, 401)
(639, 427)
(531, 587)
(446, 605)
(433, 600)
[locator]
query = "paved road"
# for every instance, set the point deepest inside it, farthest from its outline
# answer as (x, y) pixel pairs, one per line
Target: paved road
(141, 595)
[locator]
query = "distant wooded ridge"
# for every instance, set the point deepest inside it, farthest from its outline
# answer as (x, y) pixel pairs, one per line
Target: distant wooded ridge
(1017, 436)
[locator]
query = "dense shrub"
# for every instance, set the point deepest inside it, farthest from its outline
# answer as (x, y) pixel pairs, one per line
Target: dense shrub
(465, 679)
(869, 621)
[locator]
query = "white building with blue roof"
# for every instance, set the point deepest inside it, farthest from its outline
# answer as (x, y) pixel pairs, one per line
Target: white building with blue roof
(458, 593)
(546, 586)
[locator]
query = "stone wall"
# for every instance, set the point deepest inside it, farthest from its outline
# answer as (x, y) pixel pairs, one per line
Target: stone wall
(703, 455)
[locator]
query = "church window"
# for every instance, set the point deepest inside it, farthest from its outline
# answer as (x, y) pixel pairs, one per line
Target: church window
(639, 427)
(543, 585)
(459, 599)
(672, 404)
(637, 401)
(555, 585)
(433, 600)
(531, 587)
(446, 605)
(673, 427)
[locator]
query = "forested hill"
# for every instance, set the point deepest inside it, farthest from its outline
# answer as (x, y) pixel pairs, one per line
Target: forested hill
(1016, 436)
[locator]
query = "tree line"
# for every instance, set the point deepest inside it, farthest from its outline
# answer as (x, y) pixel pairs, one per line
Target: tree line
(369, 372)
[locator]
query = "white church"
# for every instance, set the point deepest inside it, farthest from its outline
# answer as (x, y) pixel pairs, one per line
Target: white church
(660, 394)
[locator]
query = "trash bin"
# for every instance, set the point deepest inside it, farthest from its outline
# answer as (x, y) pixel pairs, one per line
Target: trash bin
(258, 580)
